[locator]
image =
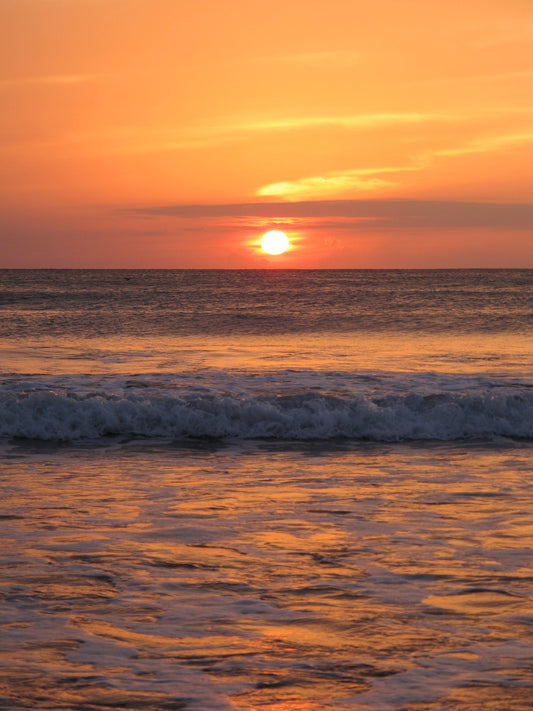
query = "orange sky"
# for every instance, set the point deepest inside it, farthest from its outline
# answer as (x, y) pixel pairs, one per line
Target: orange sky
(150, 133)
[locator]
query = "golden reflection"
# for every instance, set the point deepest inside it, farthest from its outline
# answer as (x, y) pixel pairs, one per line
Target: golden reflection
(482, 601)
(149, 644)
(287, 579)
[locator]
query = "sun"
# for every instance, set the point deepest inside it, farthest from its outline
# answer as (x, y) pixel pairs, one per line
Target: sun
(275, 242)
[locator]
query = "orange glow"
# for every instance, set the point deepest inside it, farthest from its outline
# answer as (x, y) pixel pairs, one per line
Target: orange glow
(113, 119)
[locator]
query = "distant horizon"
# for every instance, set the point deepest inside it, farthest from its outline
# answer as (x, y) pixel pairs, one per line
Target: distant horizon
(266, 269)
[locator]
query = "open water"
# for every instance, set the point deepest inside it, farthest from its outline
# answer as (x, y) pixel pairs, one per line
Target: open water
(286, 490)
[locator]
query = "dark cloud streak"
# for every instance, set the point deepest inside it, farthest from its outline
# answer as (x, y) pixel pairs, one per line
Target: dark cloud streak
(389, 214)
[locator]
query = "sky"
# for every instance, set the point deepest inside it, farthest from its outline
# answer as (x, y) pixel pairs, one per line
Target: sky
(174, 133)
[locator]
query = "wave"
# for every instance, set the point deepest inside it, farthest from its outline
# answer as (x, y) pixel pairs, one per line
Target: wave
(445, 416)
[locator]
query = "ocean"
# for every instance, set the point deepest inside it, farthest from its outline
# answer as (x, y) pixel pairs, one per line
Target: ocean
(283, 489)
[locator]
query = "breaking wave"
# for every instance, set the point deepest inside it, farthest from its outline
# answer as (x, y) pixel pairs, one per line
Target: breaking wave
(307, 415)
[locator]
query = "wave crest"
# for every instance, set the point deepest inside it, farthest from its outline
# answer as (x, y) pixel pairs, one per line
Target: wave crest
(48, 415)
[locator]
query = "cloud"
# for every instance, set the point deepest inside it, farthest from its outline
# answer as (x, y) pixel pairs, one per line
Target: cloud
(124, 139)
(53, 79)
(320, 186)
(387, 214)
(330, 184)
(230, 130)
(372, 120)
(367, 179)
(486, 144)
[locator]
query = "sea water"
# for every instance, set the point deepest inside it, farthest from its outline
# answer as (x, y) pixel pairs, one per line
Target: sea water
(292, 490)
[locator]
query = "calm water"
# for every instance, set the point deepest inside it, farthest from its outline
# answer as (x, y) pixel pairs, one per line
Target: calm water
(287, 490)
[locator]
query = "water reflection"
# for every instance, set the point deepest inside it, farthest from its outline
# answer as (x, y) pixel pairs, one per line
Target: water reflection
(379, 577)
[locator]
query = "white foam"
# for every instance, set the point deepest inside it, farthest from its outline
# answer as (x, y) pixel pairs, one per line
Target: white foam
(291, 409)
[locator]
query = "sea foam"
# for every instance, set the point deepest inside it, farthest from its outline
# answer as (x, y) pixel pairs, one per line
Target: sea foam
(305, 415)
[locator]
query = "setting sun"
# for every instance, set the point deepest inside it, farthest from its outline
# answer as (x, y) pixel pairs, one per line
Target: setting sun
(275, 242)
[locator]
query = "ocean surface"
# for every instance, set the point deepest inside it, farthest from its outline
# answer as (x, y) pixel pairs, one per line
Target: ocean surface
(283, 490)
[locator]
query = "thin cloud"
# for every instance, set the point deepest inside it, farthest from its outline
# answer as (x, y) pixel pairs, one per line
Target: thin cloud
(53, 79)
(336, 182)
(331, 183)
(390, 214)
(132, 140)
(486, 144)
(320, 186)
(372, 120)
